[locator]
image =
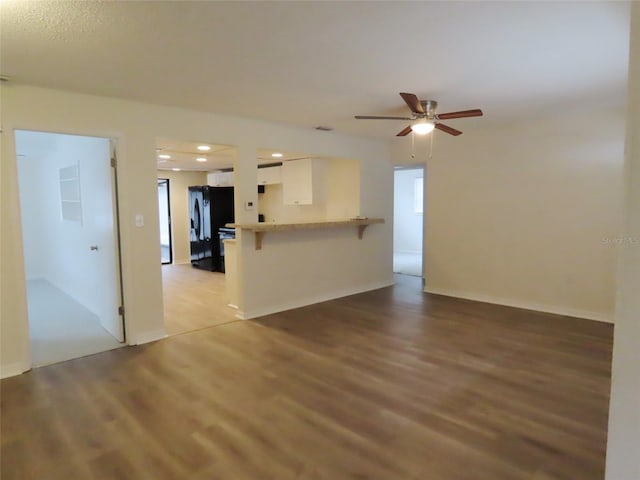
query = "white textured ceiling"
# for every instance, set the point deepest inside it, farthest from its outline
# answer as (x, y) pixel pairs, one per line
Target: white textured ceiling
(320, 63)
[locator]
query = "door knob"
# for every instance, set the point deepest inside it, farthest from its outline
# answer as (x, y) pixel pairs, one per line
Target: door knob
(94, 247)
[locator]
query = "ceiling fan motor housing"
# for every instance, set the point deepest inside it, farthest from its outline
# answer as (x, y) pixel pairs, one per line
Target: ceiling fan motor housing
(429, 107)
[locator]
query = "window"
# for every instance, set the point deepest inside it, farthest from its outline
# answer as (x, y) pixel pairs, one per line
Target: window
(417, 195)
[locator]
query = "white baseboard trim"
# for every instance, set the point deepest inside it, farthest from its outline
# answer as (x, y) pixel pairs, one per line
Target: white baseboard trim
(148, 337)
(269, 309)
(13, 369)
(537, 307)
(239, 313)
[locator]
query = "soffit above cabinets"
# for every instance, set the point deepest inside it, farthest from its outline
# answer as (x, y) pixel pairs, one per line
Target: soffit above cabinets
(184, 155)
(265, 156)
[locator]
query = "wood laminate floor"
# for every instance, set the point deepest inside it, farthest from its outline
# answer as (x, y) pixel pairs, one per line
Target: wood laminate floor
(390, 384)
(193, 299)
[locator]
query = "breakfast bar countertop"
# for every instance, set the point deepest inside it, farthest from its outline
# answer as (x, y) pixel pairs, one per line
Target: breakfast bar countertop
(261, 228)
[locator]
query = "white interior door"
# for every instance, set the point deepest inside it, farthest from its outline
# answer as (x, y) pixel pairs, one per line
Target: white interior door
(100, 224)
(67, 198)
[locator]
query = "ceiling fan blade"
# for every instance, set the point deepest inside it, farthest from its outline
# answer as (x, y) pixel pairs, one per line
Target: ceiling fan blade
(375, 117)
(413, 102)
(404, 132)
(462, 114)
(449, 130)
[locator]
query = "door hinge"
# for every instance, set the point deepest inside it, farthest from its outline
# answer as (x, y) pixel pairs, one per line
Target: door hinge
(113, 162)
(121, 310)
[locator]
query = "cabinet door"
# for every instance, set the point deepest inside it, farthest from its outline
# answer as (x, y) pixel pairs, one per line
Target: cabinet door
(297, 182)
(269, 176)
(213, 179)
(227, 179)
(220, 179)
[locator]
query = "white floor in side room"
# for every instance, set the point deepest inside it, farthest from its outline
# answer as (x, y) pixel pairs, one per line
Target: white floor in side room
(407, 263)
(60, 328)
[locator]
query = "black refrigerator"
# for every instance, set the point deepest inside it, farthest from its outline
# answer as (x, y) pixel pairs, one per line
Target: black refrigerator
(209, 208)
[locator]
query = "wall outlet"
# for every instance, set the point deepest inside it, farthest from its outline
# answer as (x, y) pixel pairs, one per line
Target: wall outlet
(139, 220)
(250, 205)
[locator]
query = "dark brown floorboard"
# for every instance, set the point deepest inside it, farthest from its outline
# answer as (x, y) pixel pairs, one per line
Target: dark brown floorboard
(390, 384)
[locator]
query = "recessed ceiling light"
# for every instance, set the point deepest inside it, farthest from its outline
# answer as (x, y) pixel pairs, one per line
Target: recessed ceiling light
(204, 148)
(201, 159)
(276, 155)
(175, 169)
(164, 156)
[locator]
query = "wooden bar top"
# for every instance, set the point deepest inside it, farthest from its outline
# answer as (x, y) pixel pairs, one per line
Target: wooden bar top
(272, 227)
(261, 228)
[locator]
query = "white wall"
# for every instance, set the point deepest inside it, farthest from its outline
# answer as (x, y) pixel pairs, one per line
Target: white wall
(341, 197)
(271, 206)
(343, 188)
(56, 249)
(179, 183)
(136, 126)
(407, 224)
(623, 461)
(335, 262)
(517, 214)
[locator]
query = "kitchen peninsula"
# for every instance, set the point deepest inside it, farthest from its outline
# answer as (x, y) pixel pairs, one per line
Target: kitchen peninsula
(259, 229)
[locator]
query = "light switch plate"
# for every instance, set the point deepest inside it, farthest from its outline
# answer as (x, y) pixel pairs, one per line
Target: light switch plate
(249, 205)
(139, 220)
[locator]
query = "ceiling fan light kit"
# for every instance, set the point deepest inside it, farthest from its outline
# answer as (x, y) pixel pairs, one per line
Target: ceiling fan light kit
(424, 116)
(422, 126)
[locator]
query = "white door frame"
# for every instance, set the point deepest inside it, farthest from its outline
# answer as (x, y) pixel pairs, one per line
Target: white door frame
(423, 167)
(114, 140)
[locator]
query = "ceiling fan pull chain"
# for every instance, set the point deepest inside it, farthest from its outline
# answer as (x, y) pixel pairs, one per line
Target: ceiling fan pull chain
(413, 143)
(431, 146)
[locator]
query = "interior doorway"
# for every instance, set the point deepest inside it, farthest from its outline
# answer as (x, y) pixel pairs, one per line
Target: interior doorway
(164, 212)
(408, 220)
(70, 239)
(195, 293)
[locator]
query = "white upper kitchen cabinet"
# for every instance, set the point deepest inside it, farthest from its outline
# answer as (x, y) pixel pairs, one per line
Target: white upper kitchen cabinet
(269, 175)
(220, 179)
(303, 181)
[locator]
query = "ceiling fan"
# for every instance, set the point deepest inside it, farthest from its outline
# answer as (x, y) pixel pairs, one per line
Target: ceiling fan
(424, 116)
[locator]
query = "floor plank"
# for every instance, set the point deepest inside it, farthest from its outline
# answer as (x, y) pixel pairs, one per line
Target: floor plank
(193, 299)
(390, 384)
